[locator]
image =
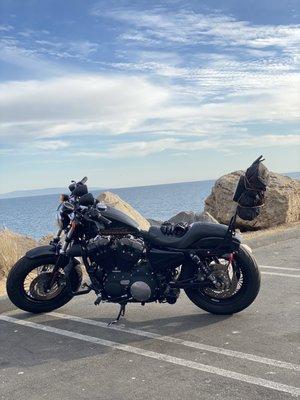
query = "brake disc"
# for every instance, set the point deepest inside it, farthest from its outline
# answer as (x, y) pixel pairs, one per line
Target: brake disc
(225, 274)
(38, 284)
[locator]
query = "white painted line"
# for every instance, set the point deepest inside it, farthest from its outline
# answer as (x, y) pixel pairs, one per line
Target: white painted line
(159, 356)
(283, 268)
(278, 274)
(187, 343)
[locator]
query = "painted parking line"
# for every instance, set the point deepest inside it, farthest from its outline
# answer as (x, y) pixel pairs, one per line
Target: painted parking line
(159, 356)
(283, 268)
(187, 343)
(279, 274)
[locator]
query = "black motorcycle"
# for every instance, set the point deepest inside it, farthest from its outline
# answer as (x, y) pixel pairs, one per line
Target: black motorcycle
(126, 264)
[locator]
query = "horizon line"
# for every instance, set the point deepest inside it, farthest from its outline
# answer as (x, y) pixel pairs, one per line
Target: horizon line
(121, 187)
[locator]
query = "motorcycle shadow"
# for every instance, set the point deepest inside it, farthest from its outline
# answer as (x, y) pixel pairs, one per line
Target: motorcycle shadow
(174, 324)
(31, 348)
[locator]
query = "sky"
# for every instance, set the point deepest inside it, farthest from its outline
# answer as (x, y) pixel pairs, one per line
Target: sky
(134, 93)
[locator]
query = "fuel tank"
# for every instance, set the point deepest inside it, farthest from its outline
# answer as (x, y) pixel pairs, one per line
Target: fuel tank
(119, 220)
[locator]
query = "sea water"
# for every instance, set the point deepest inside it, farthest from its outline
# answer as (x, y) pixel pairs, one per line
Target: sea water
(34, 216)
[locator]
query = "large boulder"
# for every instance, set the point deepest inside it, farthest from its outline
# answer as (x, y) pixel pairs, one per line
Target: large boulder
(190, 217)
(113, 200)
(154, 222)
(282, 202)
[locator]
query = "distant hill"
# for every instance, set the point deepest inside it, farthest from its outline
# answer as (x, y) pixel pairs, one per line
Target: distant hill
(37, 192)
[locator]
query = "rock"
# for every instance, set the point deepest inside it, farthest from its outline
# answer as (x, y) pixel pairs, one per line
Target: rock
(282, 203)
(154, 222)
(115, 201)
(190, 217)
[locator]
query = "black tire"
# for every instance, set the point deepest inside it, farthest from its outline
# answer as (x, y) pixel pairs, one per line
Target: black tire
(17, 295)
(239, 301)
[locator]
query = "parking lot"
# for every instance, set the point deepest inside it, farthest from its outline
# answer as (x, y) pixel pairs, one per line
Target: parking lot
(161, 351)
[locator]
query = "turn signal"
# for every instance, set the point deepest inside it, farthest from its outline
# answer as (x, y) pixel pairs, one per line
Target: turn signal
(63, 197)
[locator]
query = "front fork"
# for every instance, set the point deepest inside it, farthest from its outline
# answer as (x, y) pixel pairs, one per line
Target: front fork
(62, 260)
(68, 239)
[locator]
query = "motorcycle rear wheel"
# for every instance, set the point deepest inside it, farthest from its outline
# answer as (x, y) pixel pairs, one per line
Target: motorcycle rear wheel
(240, 299)
(29, 297)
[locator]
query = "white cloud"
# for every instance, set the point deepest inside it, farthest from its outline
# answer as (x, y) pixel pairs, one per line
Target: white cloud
(77, 104)
(204, 96)
(180, 146)
(51, 144)
(184, 28)
(80, 49)
(101, 105)
(27, 59)
(144, 148)
(6, 28)
(261, 86)
(220, 75)
(30, 51)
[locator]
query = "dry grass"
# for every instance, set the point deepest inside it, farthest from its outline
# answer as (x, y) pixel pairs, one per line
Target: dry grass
(45, 240)
(2, 287)
(12, 247)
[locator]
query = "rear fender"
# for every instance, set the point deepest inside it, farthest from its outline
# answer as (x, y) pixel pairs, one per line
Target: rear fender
(215, 243)
(207, 247)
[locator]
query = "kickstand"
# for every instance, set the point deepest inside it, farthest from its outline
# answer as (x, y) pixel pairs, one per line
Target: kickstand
(121, 314)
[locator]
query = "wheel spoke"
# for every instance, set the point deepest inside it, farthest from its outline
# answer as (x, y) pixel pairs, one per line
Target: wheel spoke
(229, 275)
(35, 283)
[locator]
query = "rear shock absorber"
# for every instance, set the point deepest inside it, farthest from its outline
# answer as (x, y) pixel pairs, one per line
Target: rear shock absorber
(204, 269)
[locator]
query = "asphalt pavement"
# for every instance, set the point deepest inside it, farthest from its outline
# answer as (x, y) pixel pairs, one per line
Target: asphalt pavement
(161, 351)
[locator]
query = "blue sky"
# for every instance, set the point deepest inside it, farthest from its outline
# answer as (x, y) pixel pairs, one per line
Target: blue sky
(138, 92)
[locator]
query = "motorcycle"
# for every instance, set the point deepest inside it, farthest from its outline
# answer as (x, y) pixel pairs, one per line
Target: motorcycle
(125, 264)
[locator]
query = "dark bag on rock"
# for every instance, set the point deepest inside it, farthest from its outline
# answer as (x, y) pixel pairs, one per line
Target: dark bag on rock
(250, 191)
(248, 213)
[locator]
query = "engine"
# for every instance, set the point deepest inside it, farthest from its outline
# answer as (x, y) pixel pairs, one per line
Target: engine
(123, 268)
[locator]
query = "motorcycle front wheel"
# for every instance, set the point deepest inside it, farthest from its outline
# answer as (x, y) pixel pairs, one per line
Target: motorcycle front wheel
(240, 285)
(27, 281)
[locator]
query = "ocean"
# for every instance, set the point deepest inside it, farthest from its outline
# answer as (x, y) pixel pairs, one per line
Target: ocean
(34, 216)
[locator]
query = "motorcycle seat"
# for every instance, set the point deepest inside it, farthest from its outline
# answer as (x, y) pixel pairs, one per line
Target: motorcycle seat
(196, 231)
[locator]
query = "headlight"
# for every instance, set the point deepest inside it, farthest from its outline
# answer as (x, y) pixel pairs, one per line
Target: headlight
(67, 207)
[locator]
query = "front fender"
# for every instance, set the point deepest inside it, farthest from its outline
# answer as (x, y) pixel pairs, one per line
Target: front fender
(75, 274)
(41, 251)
